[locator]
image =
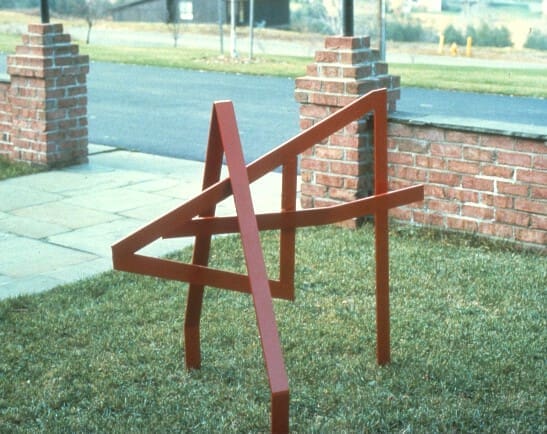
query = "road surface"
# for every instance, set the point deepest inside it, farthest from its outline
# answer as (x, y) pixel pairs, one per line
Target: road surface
(166, 111)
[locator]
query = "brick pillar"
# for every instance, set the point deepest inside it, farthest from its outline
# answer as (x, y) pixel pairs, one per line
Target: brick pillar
(48, 98)
(341, 168)
(5, 117)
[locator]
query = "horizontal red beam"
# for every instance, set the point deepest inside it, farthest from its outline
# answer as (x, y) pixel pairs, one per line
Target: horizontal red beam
(302, 218)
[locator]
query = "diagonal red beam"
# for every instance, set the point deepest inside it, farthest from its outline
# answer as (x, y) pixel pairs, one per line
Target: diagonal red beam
(275, 158)
(256, 268)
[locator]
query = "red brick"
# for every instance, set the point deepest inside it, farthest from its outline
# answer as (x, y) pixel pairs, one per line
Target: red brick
(413, 145)
(327, 56)
(327, 152)
(459, 166)
(345, 141)
(476, 183)
(351, 183)
(356, 71)
(497, 171)
(461, 137)
(308, 83)
(333, 86)
(444, 206)
(502, 201)
(45, 29)
(512, 188)
(468, 225)
(515, 159)
(411, 173)
(329, 180)
(314, 111)
(395, 129)
(313, 190)
(498, 230)
(361, 87)
(395, 184)
(513, 217)
(346, 42)
(312, 70)
(538, 192)
(498, 142)
(532, 146)
(480, 212)
(532, 206)
(354, 155)
(355, 57)
(322, 99)
(462, 195)
(540, 162)
(330, 71)
(444, 178)
(342, 194)
(314, 164)
(477, 154)
(430, 162)
(532, 176)
(532, 236)
(345, 168)
(400, 158)
(430, 134)
(305, 123)
(446, 150)
(435, 191)
(538, 222)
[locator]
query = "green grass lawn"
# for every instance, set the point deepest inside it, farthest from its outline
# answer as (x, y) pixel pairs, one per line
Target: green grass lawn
(468, 345)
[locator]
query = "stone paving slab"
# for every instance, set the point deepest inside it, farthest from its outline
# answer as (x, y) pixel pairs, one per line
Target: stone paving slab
(25, 256)
(58, 227)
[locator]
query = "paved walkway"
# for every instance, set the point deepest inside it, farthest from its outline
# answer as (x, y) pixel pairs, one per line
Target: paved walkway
(57, 227)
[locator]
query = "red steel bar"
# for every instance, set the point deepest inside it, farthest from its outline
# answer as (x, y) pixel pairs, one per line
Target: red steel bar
(200, 256)
(256, 269)
(381, 234)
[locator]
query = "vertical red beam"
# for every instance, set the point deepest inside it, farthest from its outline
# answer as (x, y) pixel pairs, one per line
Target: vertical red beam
(287, 248)
(381, 232)
(202, 245)
(256, 268)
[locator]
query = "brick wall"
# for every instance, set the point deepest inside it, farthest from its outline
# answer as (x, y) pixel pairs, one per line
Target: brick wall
(43, 108)
(475, 181)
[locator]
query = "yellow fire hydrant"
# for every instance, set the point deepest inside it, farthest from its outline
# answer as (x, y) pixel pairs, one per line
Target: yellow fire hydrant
(468, 46)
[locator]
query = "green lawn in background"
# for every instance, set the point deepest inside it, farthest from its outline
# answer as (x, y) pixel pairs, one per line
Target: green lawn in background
(521, 82)
(468, 345)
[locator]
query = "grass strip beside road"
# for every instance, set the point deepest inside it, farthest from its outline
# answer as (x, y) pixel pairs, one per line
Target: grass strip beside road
(517, 82)
(468, 342)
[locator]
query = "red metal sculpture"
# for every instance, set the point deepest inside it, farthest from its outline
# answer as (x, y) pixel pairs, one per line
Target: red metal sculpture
(197, 218)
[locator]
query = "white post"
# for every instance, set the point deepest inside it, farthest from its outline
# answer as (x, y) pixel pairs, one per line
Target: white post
(233, 49)
(382, 28)
(251, 26)
(220, 25)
